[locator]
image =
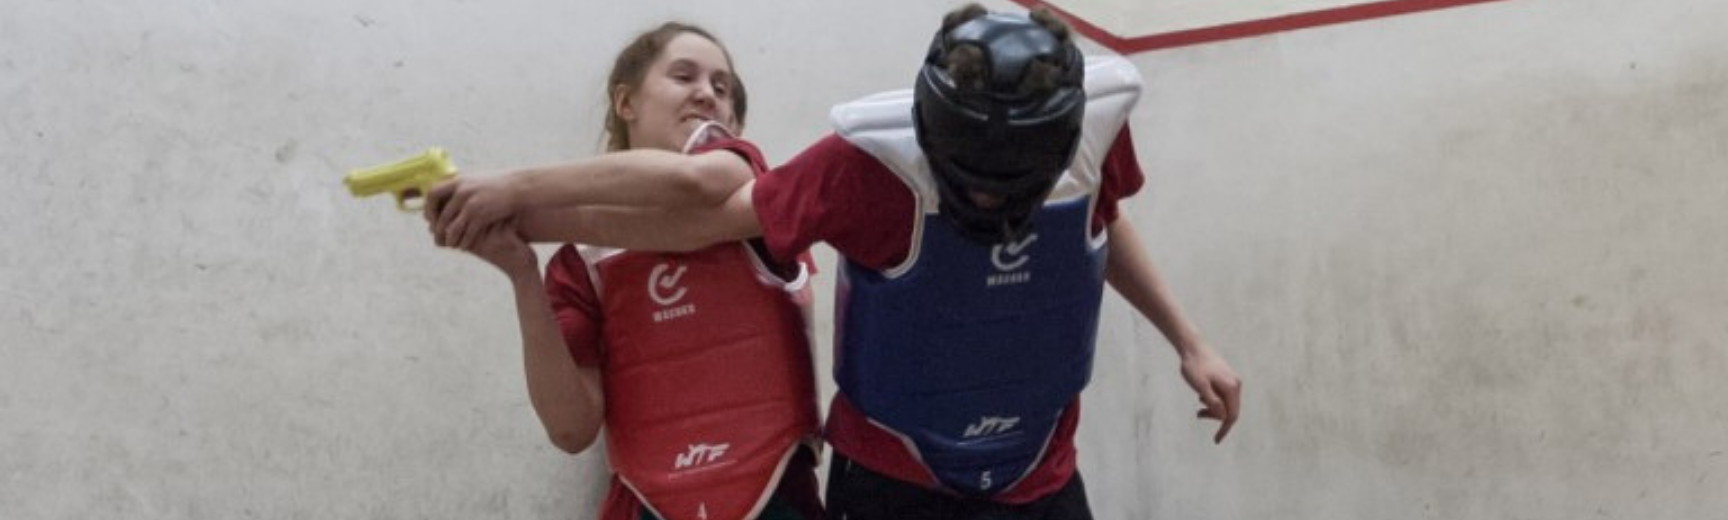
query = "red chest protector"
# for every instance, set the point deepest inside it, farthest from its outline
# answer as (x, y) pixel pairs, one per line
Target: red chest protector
(709, 384)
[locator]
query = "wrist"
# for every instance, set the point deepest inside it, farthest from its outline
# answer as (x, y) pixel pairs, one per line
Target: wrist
(524, 276)
(518, 187)
(1191, 348)
(523, 267)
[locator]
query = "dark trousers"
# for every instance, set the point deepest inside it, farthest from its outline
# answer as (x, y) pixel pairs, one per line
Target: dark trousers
(856, 493)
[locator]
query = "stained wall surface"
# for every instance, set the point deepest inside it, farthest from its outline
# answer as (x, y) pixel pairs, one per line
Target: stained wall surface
(1468, 262)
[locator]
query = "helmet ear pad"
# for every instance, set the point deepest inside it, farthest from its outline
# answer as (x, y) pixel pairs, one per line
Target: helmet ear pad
(1003, 141)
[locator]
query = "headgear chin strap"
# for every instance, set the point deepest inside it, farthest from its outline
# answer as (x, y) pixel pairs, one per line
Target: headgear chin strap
(1003, 140)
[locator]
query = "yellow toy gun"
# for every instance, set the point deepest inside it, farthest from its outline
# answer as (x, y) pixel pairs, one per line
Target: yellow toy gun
(408, 179)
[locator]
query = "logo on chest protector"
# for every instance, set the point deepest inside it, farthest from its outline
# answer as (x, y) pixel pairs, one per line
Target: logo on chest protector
(663, 288)
(700, 455)
(1008, 258)
(991, 425)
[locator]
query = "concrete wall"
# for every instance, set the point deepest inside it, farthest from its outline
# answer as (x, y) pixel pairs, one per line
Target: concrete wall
(1467, 262)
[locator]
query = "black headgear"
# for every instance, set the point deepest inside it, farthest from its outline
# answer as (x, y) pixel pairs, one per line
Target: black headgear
(1002, 140)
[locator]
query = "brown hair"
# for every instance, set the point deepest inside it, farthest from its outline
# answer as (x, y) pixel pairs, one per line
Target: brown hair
(966, 63)
(631, 67)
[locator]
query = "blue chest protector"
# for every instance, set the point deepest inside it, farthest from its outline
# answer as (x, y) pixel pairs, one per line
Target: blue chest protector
(970, 353)
(973, 352)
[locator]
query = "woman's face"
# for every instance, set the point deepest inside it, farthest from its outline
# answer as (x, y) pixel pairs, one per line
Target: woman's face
(691, 82)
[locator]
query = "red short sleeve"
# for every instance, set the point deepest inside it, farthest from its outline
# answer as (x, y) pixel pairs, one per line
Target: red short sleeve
(1121, 178)
(575, 306)
(759, 166)
(833, 192)
(745, 149)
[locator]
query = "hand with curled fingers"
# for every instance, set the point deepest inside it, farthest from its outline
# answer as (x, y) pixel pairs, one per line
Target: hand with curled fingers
(461, 211)
(1218, 388)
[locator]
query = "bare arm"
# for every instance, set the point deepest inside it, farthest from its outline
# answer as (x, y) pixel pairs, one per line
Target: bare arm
(460, 208)
(1132, 275)
(567, 398)
(642, 177)
(648, 229)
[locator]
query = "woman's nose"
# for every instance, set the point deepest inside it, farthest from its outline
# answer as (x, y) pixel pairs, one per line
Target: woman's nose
(705, 93)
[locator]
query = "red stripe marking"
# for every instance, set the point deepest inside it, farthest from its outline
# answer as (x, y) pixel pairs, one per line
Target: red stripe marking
(1245, 29)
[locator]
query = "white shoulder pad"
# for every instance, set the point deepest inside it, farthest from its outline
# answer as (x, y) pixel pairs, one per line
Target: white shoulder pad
(881, 125)
(1112, 89)
(1112, 77)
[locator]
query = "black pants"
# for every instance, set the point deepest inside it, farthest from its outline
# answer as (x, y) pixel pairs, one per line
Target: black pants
(856, 493)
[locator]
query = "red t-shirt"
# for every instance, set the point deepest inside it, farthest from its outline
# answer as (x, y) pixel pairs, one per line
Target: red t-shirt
(836, 193)
(576, 306)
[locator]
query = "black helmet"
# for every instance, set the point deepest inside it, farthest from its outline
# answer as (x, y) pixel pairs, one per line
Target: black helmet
(1003, 140)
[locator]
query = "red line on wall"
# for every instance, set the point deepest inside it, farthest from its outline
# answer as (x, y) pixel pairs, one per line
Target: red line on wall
(1245, 29)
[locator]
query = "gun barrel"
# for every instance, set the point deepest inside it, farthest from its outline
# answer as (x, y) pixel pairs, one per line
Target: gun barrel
(424, 169)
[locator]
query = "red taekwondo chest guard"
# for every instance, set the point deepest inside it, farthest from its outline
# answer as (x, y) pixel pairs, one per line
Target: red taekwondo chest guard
(709, 384)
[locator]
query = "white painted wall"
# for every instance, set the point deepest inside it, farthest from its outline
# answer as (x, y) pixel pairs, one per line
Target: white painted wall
(1468, 262)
